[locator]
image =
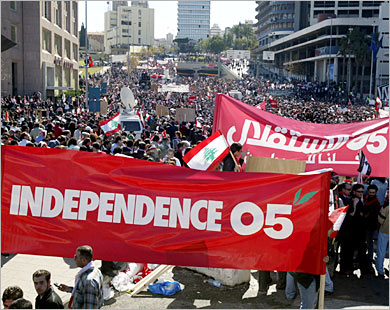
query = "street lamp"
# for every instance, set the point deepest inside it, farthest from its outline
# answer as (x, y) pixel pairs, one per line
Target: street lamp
(372, 60)
(349, 62)
(330, 48)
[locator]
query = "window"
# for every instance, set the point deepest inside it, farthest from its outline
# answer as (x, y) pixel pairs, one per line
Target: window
(47, 10)
(139, 12)
(58, 76)
(67, 15)
(67, 77)
(13, 33)
(12, 5)
(67, 49)
(139, 32)
(139, 24)
(58, 45)
(46, 40)
(58, 14)
(75, 52)
(139, 40)
(74, 80)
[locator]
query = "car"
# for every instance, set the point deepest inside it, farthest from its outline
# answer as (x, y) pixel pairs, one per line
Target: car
(131, 122)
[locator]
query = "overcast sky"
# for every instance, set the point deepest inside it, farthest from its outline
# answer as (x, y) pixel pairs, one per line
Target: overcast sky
(223, 13)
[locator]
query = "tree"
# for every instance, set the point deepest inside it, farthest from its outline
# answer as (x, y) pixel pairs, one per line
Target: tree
(215, 45)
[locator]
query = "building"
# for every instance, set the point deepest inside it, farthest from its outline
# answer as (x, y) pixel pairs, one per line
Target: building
(117, 4)
(312, 53)
(143, 4)
(169, 38)
(45, 57)
(96, 41)
(275, 19)
(215, 31)
(193, 20)
(129, 25)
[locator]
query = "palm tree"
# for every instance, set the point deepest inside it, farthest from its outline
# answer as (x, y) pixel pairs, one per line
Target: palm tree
(345, 49)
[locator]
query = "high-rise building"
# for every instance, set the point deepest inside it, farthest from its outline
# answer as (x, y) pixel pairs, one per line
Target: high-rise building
(215, 31)
(193, 20)
(143, 4)
(45, 57)
(128, 26)
(117, 4)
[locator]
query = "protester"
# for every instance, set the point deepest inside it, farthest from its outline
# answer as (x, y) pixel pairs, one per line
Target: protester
(21, 303)
(47, 298)
(87, 292)
(230, 163)
(10, 294)
(383, 240)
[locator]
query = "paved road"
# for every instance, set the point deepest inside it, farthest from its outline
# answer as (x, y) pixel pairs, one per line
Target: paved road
(368, 292)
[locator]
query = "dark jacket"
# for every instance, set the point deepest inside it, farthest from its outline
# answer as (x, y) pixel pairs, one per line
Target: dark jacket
(229, 164)
(49, 301)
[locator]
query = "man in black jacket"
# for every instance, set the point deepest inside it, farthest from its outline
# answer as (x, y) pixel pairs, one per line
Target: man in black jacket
(47, 298)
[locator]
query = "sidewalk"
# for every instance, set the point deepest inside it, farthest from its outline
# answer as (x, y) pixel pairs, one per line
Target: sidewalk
(350, 293)
(18, 270)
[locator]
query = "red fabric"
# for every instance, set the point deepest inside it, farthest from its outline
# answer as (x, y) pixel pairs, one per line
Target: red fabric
(282, 199)
(322, 146)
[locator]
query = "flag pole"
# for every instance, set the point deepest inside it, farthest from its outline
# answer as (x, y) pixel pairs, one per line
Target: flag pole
(372, 59)
(86, 56)
(359, 180)
(321, 298)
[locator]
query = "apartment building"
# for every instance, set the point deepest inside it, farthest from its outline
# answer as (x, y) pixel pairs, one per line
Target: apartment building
(193, 20)
(128, 26)
(45, 57)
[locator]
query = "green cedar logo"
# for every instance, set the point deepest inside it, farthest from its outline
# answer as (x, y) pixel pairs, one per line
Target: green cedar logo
(114, 124)
(305, 198)
(209, 154)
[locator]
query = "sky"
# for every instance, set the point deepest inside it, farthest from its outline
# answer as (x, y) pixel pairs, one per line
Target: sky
(223, 13)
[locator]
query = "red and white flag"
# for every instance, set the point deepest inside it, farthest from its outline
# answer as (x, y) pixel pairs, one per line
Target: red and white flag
(191, 99)
(111, 125)
(337, 218)
(273, 102)
(261, 106)
(209, 153)
(141, 117)
(378, 105)
(198, 124)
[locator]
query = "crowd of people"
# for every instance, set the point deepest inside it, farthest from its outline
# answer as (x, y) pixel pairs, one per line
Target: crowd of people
(66, 123)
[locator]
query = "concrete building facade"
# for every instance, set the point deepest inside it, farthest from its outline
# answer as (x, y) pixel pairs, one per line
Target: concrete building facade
(312, 52)
(128, 26)
(96, 41)
(215, 31)
(193, 20)
(45, 57)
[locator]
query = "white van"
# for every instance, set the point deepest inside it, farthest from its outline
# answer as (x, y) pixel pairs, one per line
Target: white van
(131, 122)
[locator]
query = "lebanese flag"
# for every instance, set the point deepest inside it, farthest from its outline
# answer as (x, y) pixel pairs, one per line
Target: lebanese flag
(261, 106)
(378, 105)
(337, 218)
(273, 102)
(141, 117)
(209, 153)
(191, 99)
(111, 125)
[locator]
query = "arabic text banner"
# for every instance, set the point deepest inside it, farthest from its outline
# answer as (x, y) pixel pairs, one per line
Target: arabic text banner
(322, 146)
(54, 200)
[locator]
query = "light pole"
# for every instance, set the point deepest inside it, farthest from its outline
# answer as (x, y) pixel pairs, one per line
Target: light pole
(372, 59)
(330, 48)
(349, 61)
(86, 57)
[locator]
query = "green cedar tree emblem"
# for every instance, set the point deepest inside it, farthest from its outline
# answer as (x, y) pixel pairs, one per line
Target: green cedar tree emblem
(209, 154)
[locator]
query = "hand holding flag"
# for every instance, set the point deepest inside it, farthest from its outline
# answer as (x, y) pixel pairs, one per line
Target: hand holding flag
(209, 153)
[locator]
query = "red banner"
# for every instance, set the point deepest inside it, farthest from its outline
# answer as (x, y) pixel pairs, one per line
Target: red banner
(322, 146)
(54, 200)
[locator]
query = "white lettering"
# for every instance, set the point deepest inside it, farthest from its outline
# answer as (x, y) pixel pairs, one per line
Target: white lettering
(161, 211)
(213, 214)
(142, 201)
(120, 208)
(195, 214)
(15, 199)
(236, 218)
(176, 212)
(105, 206)
(58, 201)
(89, 201)
(27, 199)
